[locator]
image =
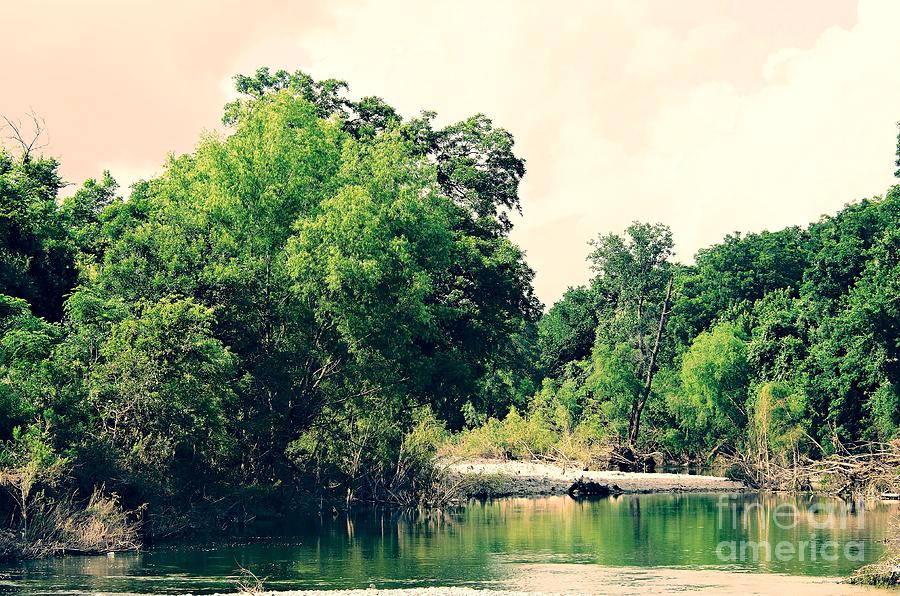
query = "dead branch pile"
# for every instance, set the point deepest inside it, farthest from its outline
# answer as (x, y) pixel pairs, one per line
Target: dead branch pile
(868, 471)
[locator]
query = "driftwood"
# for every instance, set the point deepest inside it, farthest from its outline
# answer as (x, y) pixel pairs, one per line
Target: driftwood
(625, 459)
(589, 488)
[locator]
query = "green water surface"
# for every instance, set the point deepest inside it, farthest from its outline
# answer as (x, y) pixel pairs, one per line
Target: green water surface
(483, 543)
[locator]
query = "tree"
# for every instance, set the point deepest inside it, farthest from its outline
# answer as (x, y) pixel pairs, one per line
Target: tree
(729, 277)
(26, 385)
(869, 332)
(635, 280)
(348, 285)
(780, 336)
(82, 213)
(612, 387)
(715, 377)
(37, 260)
(566, 332)
(160, 388)
(476, 164)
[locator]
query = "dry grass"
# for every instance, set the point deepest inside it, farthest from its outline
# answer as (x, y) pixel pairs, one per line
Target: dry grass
(65, 526)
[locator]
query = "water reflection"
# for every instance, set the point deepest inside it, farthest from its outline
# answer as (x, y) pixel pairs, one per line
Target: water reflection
(479, 545)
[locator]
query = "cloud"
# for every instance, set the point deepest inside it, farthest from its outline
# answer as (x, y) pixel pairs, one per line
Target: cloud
(711, 116)
(727, 118)
(125, 83)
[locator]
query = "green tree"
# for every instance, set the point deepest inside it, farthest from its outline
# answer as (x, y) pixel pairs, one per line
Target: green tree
(37, 260)
(160, 389)
(729, 277)
(82, 214)
(634, 280)
(348, 285)
(566, 332)
(715, 378)
(26, 384)
(780, 339)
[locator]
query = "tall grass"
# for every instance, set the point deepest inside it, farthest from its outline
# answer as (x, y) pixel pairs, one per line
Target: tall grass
(65, 526)
(526, 437)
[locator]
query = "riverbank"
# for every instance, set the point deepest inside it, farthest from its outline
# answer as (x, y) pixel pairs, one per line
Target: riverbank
(499, 478)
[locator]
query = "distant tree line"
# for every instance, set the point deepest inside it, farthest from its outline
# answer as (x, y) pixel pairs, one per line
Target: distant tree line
(783, 341)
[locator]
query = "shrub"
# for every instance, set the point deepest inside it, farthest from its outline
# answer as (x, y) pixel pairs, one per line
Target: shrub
(515, 436)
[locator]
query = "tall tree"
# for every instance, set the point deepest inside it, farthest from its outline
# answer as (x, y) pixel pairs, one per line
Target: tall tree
(347, 284)
(635, 280)
(566, 332)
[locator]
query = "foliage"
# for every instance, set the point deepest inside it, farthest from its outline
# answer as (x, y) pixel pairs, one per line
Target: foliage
(715, 374)
(778, 345)
(276, 310)
(635, 279)
(37, 260)
(314, 300)
(515, 436)
(778, 341)
(777, 413)
(566, 332)
(160, 392)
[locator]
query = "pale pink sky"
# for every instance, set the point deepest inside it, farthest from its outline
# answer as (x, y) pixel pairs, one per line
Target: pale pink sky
(709, 115)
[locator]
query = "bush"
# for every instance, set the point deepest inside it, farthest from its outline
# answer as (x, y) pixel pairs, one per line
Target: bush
(514, 437)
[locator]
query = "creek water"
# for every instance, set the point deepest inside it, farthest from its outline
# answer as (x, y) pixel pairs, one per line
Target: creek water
(487, 543)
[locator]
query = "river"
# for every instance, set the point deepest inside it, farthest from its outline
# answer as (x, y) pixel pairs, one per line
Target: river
(492, 544)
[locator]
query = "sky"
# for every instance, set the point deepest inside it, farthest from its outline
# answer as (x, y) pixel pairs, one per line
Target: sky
(711, 116)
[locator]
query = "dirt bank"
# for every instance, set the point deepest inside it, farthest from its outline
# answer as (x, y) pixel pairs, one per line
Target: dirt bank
(506, 478)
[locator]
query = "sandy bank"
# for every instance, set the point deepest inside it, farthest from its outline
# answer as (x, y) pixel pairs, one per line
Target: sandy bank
(404, 592)
(505, 478)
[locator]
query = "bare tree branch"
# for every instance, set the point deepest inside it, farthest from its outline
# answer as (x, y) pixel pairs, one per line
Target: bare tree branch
(28, 142)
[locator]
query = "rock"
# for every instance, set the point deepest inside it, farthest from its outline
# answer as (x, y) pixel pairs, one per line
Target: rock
(585, 488)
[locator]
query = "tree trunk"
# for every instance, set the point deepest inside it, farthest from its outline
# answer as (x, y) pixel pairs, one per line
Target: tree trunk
(637, 408)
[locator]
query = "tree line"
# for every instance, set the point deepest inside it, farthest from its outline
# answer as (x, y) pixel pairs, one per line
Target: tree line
(311, 301)
(783, 343)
